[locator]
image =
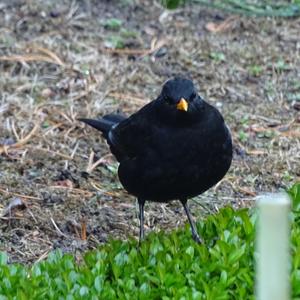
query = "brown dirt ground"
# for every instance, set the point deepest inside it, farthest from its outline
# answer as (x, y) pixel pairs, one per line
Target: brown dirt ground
(55, 66)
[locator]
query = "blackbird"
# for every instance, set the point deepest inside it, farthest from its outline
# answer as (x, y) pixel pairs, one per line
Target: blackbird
(175, 147)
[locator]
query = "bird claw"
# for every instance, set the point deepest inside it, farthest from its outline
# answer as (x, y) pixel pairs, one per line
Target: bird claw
(197, 238)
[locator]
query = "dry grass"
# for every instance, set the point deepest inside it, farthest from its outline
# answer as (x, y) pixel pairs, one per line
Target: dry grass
(55, 67)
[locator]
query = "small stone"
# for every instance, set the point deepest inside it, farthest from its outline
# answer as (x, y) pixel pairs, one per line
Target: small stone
(47, 93)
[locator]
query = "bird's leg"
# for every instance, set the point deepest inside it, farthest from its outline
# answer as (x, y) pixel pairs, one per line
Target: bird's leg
(195, 234)
(141, 217)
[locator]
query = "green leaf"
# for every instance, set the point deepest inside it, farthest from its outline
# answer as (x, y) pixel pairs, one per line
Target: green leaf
(190, 251)
(172, 4)
(145, 288)
(98, 283)
(84, 291)
(113, 23)
(235, 255)
(114, 42)
(3, 258)
(121, 258)
(218, 56)
(294, 192)
(223, 277)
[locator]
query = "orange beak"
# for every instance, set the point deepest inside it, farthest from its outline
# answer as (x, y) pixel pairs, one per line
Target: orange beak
(182, 105)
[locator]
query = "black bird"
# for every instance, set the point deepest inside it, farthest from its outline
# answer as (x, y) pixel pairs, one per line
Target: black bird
(175, 147)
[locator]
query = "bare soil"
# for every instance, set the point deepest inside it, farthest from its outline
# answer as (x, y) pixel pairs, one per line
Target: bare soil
(58, 180)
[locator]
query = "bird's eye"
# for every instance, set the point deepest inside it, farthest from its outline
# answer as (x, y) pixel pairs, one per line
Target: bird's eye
(167, 100)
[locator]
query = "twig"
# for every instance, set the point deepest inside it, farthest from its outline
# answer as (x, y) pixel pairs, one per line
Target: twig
(129, 97)
(20, 143)
(256, 152)
(89, 90)
(50, 54)
(91, 166)
(246, 191)
(28, 58)
(32, 215)
(74, 150)
(18, 195)
(154, 47)
(43, 256)
(87, 193)
(58, 125)
(94, 185)
(45, 56)
(65, 156)
(83, 230)
(57, 229)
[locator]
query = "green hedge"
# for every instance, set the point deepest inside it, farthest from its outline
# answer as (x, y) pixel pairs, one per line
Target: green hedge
(165, 266)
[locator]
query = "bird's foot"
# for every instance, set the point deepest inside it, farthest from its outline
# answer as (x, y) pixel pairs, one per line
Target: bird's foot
(197, 238)
(141, 241)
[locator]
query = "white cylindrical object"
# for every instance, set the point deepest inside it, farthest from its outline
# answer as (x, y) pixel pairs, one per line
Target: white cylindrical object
(272, 247)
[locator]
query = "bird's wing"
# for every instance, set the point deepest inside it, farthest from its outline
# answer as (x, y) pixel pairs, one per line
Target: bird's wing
(130, 136)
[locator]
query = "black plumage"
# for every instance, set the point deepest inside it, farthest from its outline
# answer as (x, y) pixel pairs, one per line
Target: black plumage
(175, 147)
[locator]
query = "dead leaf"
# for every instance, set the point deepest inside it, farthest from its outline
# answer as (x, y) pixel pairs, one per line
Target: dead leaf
(83, 230)
(221, 27)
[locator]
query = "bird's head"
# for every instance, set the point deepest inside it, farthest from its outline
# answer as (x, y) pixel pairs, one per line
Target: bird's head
(180, 95)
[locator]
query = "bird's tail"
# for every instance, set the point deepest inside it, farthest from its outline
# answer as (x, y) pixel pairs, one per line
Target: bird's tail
(104, 124)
